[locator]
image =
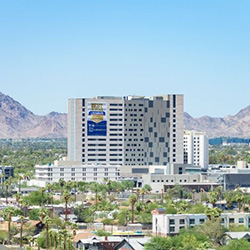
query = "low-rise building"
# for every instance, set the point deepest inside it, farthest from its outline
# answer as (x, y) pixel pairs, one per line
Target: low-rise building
(74, 171)
(171, 224)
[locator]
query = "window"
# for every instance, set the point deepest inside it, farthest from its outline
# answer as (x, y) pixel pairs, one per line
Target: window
(180, 170)
(202, 221)
(171, 222)
(231, 220)
(171, 229)
(182, 221)
(161, 139)
(241, 220)
(192, 221)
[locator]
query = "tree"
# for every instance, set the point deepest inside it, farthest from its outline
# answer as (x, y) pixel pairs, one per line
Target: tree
(8, 213)
(241, 244)
(21, 230)
(159, 243)
(47, 221)
(148, 187)
(132, 201)
(143, 192)
(129, 185)
(213, 213)
(212, 229)
(42, 191)
(7, 184)
(239, 199)
(66, 196)
(213, 197)
(95, 188)
(19, 179)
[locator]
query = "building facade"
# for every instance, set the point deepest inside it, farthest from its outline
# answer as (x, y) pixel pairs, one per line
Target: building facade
(68, 171)
(171, 224)
(126, 130)
(195, 147)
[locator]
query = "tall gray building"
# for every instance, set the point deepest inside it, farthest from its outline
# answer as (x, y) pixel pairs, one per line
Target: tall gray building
(127, 130)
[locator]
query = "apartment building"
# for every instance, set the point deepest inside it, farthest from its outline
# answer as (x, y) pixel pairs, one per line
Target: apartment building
(195, 147)
(71, 171)
(171, 224)
(127, 130)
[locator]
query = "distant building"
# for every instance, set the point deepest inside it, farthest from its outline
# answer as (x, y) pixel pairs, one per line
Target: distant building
(6, 172)
(195, 147)
(171, 224)
(130, 130)
(68, 171)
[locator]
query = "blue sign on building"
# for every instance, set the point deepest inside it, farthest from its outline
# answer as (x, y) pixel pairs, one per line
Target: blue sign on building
(97, 119)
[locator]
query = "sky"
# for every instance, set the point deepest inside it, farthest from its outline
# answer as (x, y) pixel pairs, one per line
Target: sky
(54, 50)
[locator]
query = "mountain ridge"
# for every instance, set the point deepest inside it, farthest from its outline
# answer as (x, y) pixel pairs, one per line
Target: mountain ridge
(17, 122)
(237, 125)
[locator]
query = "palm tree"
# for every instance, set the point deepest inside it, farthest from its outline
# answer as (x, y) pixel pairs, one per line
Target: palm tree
(19, 179)
(143, 192)
(47, 222)
(95, 188)
(132, 201)
(24, 206)
(18, 197)
(239, 199)
(21, 230)
(7, 213)
(69, 238)
(63, 233)
(42, 191)
(66, 196)
(138, 192)
(213, 197)
(212, 213)
(43, 212)
(7, 184)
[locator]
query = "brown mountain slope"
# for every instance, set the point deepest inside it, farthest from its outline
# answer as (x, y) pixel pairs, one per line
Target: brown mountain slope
(18, 122)
(232, 126)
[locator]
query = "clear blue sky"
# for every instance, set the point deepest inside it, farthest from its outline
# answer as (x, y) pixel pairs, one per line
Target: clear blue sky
(52, 50)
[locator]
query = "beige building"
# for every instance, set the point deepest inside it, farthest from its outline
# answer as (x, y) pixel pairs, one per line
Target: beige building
(127, 130)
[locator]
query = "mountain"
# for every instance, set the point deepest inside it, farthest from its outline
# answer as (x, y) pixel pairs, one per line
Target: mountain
(18, 122)
(230, 126)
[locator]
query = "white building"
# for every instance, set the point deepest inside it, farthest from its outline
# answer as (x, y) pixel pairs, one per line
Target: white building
(170, 224)
(195, 147)
(76, 172)
(127, 130)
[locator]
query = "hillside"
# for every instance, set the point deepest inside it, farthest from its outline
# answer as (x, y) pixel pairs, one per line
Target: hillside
(18, 122)
(231, 126)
